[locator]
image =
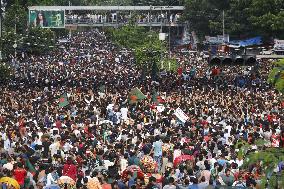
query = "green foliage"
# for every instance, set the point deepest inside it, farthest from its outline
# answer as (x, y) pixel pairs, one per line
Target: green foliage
(276, 75)
(15, 14)
(5, 72)
(269, 159)
(129, 36)
(243, 147)
(39, 40)
(242, 17)
(151, 50)
(146, 44)
(169, 64)
(7, 42)
(36, 41)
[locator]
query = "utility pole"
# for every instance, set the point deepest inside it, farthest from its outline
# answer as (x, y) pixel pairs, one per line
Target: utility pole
(0, 19)
(161, 30)
(150, 17)
(70, 32)
(2, 8)
(15, 44)
(223, 26)
(170, 24)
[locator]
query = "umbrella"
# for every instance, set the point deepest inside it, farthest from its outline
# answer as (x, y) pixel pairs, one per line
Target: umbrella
(10, 181)
(94, 183)
(182, 158)
(52, 186)
(148, 164)
(133, 169)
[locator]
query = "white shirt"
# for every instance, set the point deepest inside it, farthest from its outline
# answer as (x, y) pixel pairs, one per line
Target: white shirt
(124, 112)
(50, 180)
(177, 153)
(123, 164)
(7, 144)
(67, 147)
(8, 166)
(239, 162)
(107, 163)
(53, 148)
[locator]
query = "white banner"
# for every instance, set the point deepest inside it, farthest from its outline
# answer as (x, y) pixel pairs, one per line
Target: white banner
(181, 115)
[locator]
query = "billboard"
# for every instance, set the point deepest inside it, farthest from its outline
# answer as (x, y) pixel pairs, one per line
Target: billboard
(47, 18)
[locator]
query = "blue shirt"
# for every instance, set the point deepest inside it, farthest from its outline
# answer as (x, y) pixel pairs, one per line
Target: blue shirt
(158, 148)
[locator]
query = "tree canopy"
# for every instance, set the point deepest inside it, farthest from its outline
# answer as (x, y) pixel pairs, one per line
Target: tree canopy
(276, 75)
(243, 18)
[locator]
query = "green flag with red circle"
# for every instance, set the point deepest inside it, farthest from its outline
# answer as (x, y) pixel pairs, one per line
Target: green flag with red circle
(63, 101)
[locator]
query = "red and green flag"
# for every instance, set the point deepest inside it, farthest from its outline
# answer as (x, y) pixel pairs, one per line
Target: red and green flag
(63, 101)
(29, 166)
(156, 99)
(135, 96)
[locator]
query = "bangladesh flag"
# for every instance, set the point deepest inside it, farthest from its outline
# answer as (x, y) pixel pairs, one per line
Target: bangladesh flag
(63, 101)
(29, 166)
(156, 98)
(135, 95)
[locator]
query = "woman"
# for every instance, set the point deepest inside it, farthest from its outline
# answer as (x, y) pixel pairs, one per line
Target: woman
(70, 169)
(40, 20)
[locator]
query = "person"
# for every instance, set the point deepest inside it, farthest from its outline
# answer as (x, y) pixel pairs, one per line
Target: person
(40, 20)
(20, 174)
(171, 184)
(131, 180)
(69, 169)
(152, 183)
(52, 177)
(227, 178)
(203, 183)
(216, 125)
(158, 152)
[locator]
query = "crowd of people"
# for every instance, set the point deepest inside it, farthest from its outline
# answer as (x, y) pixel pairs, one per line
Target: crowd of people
(123, 17)
(99, 139)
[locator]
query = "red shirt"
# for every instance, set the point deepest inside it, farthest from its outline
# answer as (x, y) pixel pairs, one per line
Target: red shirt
(20, 175)
(70, 170)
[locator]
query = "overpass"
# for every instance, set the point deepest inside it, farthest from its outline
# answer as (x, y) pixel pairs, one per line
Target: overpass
(115, 16)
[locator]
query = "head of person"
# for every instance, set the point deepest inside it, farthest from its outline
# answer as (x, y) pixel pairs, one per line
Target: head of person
(171, 180)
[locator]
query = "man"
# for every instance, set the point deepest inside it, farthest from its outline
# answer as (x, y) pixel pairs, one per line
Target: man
(157, 147)
(20, 174)
(152, 183)
(227, 178)
(171, 184)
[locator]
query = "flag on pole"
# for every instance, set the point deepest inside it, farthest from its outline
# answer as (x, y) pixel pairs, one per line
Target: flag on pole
(135, 95)
(29, 166)
(156, 98)
(63, 101)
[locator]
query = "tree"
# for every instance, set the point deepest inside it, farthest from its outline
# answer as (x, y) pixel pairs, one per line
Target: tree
(243, 18)
(276, 75)
(267, 17)
(128, 36)
(269, 159)
(39, 41)
(150, 51)
(5, 72)
(15, 16)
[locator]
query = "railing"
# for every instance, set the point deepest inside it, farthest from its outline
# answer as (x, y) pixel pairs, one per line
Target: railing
(90, 21)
